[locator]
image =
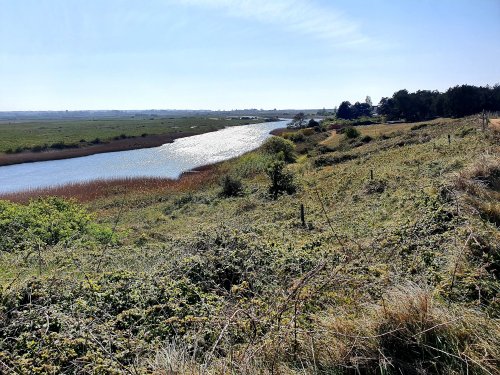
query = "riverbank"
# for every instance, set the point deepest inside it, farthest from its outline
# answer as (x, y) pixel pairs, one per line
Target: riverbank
(55, 140)
(127, 144)
(107, 189)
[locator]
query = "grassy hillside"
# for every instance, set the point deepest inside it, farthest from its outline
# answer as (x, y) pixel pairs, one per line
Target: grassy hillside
(396, 269)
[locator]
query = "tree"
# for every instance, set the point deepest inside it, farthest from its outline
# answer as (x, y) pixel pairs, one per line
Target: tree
(368, 101)
(298, 121)
(361, 110)
(345, 111)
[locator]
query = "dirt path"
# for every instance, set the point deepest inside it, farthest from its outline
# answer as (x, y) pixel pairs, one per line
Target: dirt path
(495, 123)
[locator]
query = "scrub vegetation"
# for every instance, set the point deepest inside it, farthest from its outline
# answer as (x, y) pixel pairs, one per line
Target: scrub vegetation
(393, 268)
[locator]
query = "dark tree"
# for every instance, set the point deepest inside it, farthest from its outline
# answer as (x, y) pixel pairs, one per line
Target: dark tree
(361, 110)
(345, 111)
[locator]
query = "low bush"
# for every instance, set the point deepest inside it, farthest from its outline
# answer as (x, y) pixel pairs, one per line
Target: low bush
(282, 181)
(351, 132)
(278, 145)
(231, 186)
(45, 222)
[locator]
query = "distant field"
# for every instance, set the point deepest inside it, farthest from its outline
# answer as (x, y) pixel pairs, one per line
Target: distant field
(42, 135)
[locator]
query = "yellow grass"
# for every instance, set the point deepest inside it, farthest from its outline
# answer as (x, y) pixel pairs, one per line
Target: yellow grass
(377, 130)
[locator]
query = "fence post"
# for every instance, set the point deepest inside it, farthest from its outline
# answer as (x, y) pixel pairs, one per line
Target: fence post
(302, 215)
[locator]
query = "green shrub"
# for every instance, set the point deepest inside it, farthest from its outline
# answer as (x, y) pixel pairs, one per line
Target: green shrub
(351, 132)
(45, 222)
(282, 181)
(277, 145)
(294, 136)
(231, 186)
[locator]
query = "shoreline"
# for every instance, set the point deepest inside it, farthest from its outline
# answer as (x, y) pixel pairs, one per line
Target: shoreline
(104, 187)
(114, 145)
(127, 144)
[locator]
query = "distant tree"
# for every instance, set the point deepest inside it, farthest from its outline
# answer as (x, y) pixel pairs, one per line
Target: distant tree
(386, 107)
(361, 109)
(299, 120)
(368, 101)
(457, 101)
(345, 111)
(465, 100)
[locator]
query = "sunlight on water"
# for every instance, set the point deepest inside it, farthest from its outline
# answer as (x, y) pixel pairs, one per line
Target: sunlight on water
(168, 160)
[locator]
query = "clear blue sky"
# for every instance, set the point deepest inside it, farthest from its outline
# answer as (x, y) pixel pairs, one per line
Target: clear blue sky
(228, 54)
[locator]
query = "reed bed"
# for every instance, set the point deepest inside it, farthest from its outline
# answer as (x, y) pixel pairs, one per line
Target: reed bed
(92, 190)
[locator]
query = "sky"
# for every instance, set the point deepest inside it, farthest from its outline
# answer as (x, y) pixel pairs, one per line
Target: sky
(237, 54)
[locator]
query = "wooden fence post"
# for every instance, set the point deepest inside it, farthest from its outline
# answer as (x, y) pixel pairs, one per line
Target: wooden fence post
(302, 215)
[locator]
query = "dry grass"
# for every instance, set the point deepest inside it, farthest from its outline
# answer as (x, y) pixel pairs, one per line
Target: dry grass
(92, 190)
(495, 124)
(409, 332)
(481, 185)
(375, 131)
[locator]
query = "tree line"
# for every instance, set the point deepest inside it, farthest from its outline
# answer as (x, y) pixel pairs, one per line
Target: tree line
(458, 101)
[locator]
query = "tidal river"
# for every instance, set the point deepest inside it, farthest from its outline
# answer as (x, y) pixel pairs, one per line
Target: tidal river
(169, 160)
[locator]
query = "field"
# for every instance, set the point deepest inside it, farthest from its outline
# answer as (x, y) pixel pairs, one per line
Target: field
(395, 268)
(65, 136)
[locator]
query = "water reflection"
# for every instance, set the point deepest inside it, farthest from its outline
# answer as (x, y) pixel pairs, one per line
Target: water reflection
(169, 160)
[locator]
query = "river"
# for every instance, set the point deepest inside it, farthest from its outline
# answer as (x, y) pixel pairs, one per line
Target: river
(169, 160)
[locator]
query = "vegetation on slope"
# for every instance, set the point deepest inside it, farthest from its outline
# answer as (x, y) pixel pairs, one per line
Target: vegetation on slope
(396, 269)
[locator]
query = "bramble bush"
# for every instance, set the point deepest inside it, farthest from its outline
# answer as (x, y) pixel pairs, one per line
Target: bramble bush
(46, 222)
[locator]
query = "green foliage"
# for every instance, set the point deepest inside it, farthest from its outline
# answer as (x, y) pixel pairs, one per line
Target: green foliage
(218, 262)
(458, 101)
(277, 145)
(347, 111)
(45, 222)
(282, 181)
(351, 132)
(250, 164)
(231, 186)
(99, 325)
